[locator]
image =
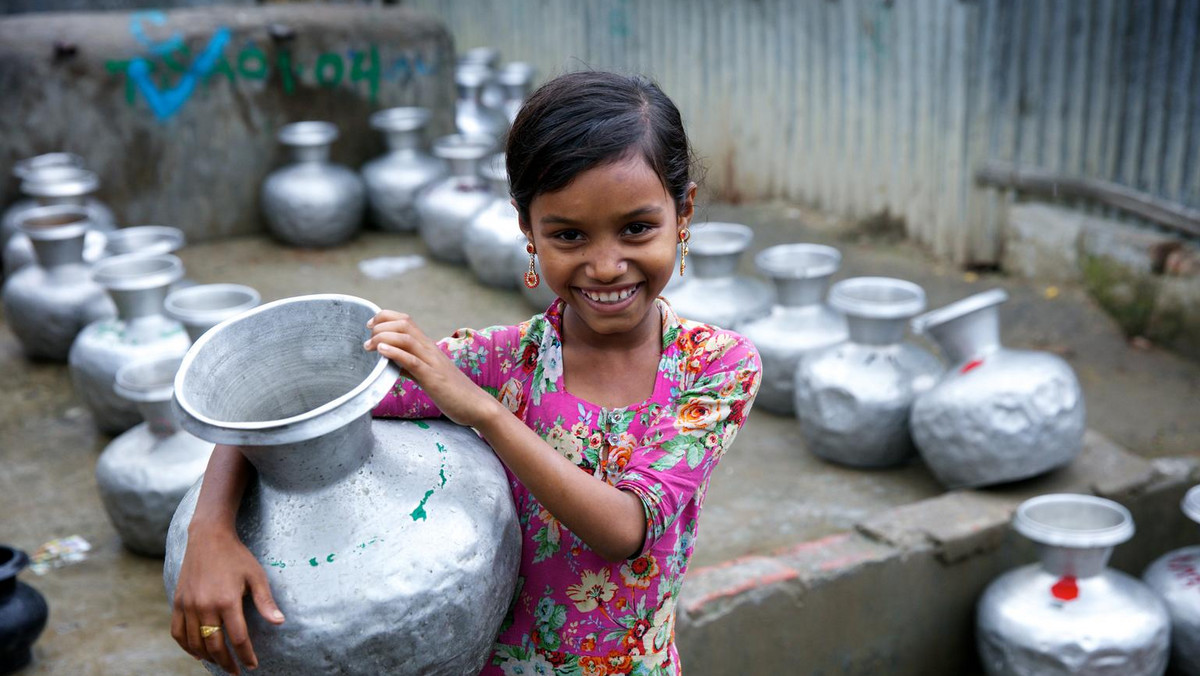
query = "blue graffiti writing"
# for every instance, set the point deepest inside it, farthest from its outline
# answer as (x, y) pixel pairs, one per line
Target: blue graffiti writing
(167, 102)
(139, 33)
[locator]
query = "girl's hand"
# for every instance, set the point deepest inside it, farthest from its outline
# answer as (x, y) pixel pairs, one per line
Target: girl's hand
(217, 571)
(396, 336)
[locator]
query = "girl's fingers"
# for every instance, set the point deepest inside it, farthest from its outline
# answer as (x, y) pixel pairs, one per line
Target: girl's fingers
(385, 316)
(239, 637)
(215, 643)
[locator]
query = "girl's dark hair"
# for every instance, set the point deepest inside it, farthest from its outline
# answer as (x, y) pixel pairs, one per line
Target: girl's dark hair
(583, 120)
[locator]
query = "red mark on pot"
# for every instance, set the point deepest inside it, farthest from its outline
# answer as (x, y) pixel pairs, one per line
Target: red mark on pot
(971, 365)
(1066, 589)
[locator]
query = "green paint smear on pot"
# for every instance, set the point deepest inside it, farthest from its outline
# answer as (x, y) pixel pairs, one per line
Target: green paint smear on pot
(329, 559)
(313, 562)
(364, 545)
(422, 424)
(277, 564)
(419, 514)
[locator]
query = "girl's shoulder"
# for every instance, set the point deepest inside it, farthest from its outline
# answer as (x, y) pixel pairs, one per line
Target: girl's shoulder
(712, 345)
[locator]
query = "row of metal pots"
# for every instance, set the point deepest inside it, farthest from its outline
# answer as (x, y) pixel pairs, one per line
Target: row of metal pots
(1071, 614)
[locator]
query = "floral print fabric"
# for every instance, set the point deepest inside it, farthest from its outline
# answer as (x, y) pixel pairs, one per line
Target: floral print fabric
(574, 613)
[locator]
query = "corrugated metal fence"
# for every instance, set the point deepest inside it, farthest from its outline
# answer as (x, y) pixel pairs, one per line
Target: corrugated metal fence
(861, 106)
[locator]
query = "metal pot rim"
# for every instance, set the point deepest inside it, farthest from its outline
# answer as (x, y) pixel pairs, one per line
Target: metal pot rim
(852, 297)
(143, 381)
(175, 304)
(773, 262)
(516, 73)
(309, 133)
(403, 118)
(145, 239)
(78, 227)
(60, 181)
(23, 169)
(17, 561)
(1027, 523)
(472, 74)
(1191, 504)
(958, 309)
(718, 238)
(463, 146)
(153, 270)
(310, 424)
(480, 55)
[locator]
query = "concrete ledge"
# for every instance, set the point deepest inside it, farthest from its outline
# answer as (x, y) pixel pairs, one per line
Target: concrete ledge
(177, 111)
(897, 595)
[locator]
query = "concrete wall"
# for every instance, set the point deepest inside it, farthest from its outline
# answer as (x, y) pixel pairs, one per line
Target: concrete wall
(177, 111)
(897, 595)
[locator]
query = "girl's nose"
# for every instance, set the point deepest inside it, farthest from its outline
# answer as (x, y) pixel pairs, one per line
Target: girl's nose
(606, 263)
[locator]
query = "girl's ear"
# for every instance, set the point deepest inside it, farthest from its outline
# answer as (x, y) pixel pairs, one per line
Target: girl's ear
(685, 213)
(525, 229)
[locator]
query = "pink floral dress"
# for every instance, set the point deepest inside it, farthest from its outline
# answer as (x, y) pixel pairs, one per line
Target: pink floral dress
(575, 613)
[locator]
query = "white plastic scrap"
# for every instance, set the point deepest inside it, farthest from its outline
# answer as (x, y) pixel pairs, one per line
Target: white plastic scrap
(385, 267)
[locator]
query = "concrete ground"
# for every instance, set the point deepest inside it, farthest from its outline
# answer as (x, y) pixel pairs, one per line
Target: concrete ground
(109, 613)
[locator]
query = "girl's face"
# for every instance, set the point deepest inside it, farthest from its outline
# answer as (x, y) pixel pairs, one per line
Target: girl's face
(606, 242)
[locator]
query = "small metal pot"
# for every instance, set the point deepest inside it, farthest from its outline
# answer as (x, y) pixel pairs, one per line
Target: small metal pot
(447, 207)
(490, 236)
(1175, 577)
(312, 202)
(714, 293)
(50, 180)
(203, 306)
(394, 179)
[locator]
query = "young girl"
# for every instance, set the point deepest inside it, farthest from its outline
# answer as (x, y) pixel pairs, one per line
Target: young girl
(609, 413)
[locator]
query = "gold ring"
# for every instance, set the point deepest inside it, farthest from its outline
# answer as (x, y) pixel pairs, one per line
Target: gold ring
(207, 630)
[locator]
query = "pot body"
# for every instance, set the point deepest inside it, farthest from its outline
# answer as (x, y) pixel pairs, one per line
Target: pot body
(1175, 577)
(142, 477)
(313, 203)
(405, 566)
(1009, 415)
(393, 182)
(1114, 625)
(446, 209)
(48, 308)
(23, 613)
(726, 302)
(783, 338)
(489, 243)
(105, 346)
(853, 400)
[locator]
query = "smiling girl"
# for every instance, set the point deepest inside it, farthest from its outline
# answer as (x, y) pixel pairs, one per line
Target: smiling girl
(609, 413)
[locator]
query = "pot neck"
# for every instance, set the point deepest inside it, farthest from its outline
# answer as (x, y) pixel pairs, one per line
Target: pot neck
(873, 331)
(159, 417)
(14, 562)
(715, 266)
(407, 142)
(310, 465)
(57, 253)
(1074, 562)
(970, 336)
(470, 94)
(139, 303)
(803, 292)
(77, 200)
(464, 167)
(310, 154)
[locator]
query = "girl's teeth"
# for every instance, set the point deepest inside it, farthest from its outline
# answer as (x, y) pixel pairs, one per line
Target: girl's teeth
(609, 296)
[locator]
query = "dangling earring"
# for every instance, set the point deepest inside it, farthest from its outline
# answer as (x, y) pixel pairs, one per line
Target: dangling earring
(684, 236)
(531, 277)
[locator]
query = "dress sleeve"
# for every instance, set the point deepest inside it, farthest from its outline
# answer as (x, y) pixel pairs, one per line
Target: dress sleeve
(486, 356)
(684, 441)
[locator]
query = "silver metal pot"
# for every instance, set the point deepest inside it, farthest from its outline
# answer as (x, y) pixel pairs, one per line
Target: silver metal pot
(144, 473)
(998, 414)
(50, 180)
(394, 178)
(1175, 577)
(447, 206)
(144, 239)
(516, 77)
(472, 115)
(1071, 614)
(312, 202)
(137, 284)
(491, 235)
(391, 546)
(853, 399)
(800, 322)
(715, 294)
(201, 307)
(47, 304)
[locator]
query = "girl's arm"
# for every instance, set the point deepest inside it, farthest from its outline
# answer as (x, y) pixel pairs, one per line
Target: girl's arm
(610, 521)
(218, 570)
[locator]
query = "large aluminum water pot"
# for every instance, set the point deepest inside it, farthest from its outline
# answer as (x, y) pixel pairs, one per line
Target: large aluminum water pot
(1175, 577)
(997, 414)
(312, 202)
(1070, 614)
(472, 115)
(715, 294)
(447, 207)
(203, 306)
(50, 180)
(493, 95)
(47, 304)
(395, 178)
(799, 324)
(137, 284)
(516, 77)
(144, 473)
(391, 546)
(490, 236)
(853, 399)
